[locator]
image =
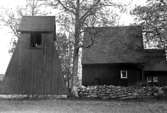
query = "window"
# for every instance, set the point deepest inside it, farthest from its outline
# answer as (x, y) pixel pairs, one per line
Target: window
(155, 79)
(124, 74)
(36, 40)
(149, 79)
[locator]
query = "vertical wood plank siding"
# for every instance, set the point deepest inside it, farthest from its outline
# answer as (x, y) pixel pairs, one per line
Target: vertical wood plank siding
(109, 74)
(34, 70)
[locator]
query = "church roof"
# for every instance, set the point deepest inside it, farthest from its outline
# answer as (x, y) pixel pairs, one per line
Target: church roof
(113, 45)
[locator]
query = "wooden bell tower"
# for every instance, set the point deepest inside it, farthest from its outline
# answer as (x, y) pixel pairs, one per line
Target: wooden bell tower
(35, 66)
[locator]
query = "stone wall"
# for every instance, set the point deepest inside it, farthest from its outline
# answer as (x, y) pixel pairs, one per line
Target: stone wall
(112, 92)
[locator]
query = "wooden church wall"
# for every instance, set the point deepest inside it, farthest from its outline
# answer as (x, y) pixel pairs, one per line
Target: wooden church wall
(34, 70)
(109, 74)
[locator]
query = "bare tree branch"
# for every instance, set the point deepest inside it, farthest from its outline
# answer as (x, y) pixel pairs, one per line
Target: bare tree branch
(66, 7)
(90, 11)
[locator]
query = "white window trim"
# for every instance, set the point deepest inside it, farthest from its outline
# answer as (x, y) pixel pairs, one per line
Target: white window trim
(121, 73)
(155, 79)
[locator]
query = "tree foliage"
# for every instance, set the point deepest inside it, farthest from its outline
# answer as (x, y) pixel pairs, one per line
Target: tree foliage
(64, 47)
(153, 18)
(89, 12)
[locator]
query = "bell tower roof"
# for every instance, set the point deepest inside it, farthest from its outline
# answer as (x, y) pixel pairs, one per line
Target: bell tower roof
(37, 24)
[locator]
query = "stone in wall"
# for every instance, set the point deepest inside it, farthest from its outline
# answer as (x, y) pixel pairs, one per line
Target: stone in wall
(111, 92)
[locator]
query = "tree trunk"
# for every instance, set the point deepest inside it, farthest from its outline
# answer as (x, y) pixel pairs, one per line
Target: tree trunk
(75, 80)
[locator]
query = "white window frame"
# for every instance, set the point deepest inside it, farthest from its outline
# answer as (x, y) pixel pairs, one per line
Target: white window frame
(122, 76)
(155, 79)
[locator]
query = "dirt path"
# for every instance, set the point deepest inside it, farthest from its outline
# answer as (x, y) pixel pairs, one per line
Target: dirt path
(83, 106)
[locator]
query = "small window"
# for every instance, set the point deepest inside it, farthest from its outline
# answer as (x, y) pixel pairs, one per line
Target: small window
(155, 79)
(36, 40)
(152, 79)
(149, 79)
(124, 74)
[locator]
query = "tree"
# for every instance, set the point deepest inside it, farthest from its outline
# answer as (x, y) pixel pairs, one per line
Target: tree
(79, 14)
(64, 47)
(153, 18)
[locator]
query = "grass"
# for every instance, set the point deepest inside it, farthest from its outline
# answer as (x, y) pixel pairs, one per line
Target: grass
(82, 106)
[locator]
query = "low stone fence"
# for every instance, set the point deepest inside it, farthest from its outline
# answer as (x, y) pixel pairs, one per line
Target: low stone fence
(112, 92)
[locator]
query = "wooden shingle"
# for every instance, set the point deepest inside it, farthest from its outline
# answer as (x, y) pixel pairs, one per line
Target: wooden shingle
(113, 45)
(155, 60)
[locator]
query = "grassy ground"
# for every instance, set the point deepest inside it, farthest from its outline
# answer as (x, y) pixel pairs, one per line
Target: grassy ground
(82, 106)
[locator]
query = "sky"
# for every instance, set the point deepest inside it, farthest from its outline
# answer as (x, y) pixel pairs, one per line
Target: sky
(5, 35)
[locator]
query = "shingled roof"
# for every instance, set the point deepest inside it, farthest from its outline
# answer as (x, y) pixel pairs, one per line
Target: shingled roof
(113, 45)
(155, 60)
(37, 24)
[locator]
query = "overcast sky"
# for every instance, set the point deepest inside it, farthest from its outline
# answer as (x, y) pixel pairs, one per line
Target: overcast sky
(5, 35)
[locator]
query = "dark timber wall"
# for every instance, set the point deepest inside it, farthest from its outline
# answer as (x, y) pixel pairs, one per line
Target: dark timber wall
(34, 70)
(162, 76)
(100, 74)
